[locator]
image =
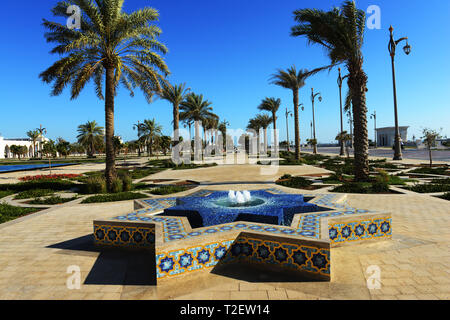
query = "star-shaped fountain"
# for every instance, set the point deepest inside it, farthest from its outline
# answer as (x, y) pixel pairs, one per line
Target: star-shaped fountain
(262, 206)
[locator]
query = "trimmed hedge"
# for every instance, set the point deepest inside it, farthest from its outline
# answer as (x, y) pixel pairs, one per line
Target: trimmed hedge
(295, 182)
(52, 200)
(122, 196)
(168, 190)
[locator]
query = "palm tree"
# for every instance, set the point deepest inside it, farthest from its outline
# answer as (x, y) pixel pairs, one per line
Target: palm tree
(341, 32)
(343, 138)
(293, 80)
(272, 105)
(41, 131)
(151, 130)
(349, 110)
(63, 147)
(210, 123)
(255, 125)
(223, 130)
(264, 120)
(194, 108)
(33, 135)
(429, 138)
(88, 134)
(165, 143)
(112, 47)
(175, 94)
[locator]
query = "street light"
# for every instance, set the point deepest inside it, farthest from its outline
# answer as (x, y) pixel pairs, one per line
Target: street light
(288, 113)
(407, 49)
(374, 117)
(339, 81)
(313, 96)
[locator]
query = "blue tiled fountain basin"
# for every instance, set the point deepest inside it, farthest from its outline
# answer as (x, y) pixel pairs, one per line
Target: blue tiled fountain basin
(269, 208)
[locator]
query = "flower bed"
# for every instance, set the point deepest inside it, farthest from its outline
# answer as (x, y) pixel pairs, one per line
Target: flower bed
(50, 177)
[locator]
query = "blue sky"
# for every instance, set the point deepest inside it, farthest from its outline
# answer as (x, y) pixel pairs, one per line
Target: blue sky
(227, 51)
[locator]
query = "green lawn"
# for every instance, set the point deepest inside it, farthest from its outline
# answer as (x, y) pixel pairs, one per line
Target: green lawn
(8, 212)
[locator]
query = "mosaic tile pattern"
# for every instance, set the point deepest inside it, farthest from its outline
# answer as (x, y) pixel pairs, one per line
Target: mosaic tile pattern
(124, 235)
(295, 256)
(186, 260)
(308, 226)
(360, 230)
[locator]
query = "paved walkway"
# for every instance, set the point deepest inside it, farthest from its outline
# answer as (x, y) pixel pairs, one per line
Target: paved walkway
(37, 250)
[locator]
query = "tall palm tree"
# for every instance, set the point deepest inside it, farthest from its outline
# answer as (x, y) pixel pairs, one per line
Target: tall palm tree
(210, 124)
(175, 94)
(264, 120)
(194, 108)
(33, 135)
(293, 80)
(255, 125)
(341, 33)
(223, 130)
(112, 47)
(41, 131)
(272, 105)
(151, 130)
(88, 134)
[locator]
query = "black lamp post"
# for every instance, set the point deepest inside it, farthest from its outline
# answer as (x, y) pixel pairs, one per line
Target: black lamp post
(313, 96)
(339, 81)
(391, 47)
(374, 117)
(288, 113)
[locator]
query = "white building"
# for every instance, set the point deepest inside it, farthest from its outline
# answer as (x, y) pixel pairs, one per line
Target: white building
(386, 136)
(5, 146)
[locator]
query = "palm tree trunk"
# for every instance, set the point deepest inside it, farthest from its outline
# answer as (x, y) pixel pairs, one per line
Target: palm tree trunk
(275, 137)
(265, 140)
(176, 125)
(110, 171)
(92, 147)
(296, 125)
(357, 84)
(197, 141)
(431, 159)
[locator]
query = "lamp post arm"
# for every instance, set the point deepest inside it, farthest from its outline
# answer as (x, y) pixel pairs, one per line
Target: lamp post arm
(400, 40)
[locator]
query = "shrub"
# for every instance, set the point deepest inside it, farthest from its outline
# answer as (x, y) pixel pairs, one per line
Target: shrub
(353, 187)
(116, 185)
(295, 182)
(127, 182)
(286, 176)
(55, 185)
(5, 193)
(114, 197)
(380, 187)
(95, 184)
(438, 171)
(445, 196)
(430, 188)
(50, 177)
(168, 190)
(52, 200)
(383, 177)
(33, 193)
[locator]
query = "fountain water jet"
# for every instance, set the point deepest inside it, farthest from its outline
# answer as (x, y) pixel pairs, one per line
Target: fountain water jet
(239, 197)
